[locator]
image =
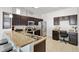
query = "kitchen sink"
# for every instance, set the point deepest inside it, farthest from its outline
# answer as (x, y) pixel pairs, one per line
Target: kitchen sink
(36, 37)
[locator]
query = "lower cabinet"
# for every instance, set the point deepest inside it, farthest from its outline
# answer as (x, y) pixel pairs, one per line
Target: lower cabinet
(55, 35)
(41, 47)
(73, 38)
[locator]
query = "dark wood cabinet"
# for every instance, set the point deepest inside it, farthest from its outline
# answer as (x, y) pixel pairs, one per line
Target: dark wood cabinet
(55, 35)
(73, 38)
(56, 21)
(36, 21)
(40, 47)
(16, 19)
(23, 20)
(73, 20)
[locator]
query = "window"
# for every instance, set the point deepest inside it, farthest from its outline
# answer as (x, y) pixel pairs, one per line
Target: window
(7, 20)
(17, 11)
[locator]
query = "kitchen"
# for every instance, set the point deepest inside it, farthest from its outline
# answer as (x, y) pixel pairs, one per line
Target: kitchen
(32, 32)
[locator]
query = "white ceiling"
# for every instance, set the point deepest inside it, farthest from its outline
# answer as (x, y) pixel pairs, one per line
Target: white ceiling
(43, 10)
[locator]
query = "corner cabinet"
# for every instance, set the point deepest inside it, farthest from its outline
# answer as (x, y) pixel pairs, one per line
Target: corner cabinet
(23, 20)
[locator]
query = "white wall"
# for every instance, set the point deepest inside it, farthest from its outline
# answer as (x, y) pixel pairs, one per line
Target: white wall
(63, 12)
(2, 9)
(25, 12)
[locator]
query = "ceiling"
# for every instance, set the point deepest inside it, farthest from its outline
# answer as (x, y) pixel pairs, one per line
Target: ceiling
(43, 10)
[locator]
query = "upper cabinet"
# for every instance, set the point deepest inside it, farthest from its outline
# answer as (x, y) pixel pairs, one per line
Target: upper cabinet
(23, 20)
(16, 19)
(73, 20)
(56, 21)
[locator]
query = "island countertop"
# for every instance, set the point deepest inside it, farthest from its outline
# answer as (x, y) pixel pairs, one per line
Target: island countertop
(21, 40)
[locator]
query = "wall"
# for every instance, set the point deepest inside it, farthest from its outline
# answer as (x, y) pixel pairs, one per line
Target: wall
(63, 12)
(4, 9)
(25, 12)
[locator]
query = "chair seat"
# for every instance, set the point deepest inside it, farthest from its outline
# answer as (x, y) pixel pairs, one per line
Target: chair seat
(3, 41)
(6, 47)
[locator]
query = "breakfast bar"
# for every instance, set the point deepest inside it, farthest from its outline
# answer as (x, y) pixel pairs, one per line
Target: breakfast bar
(21, 40)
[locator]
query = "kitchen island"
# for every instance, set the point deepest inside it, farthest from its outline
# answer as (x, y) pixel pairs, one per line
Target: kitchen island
(23, 40)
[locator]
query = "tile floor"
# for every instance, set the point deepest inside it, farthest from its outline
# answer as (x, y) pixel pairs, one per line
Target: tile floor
(57, 46)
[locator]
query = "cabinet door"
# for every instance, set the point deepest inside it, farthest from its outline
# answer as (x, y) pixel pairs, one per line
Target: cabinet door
(23, 20)
(26, 21)
(73, 20)
(40, 47)
(73, 39)
(55, 35)
(56, 21)
(36, 21)
(16, 20)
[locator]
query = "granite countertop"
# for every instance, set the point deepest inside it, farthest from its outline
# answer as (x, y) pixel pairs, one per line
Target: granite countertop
(37, 39)
(65, 30)
(21, 39)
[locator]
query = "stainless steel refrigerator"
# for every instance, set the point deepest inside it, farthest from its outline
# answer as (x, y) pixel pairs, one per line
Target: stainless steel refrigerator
(43, 28)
